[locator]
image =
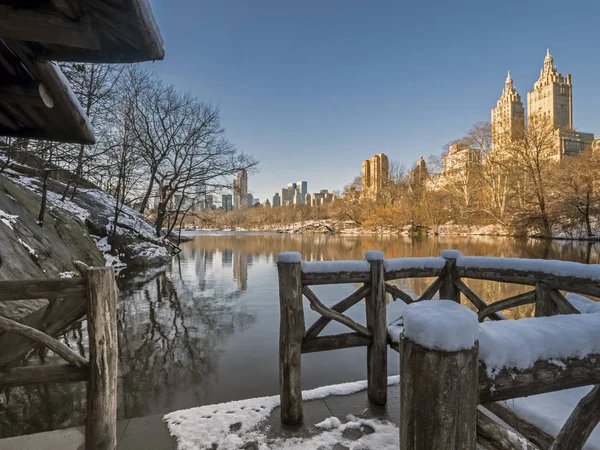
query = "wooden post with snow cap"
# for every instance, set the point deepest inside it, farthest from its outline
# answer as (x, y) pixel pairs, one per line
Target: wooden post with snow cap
(291, 333)
(376, 322)
(449, 290)
(438, 377)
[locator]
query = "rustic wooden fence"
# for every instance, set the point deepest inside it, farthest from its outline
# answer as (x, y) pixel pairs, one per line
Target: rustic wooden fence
(449, 272)
(95, 295)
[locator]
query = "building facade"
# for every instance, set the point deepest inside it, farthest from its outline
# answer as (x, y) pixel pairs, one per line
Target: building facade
(550, 103)
(508, 117)
(240, 190)
(227, 202)
(375, 174)
(276, 200)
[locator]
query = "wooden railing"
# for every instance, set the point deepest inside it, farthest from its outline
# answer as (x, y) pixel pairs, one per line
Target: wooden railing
(95, 295)
(449, 272)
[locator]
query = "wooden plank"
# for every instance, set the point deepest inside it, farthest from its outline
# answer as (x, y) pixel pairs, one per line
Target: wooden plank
(580, 424)
(340, 307)
(431, 290)
(377, 325)
(398, 293)
(511, 302)
(33, 93)
(500, 433)
(315, 278)
(101, 422)
(52, 319)
(291, 334)
(540, 438)
(577, 285)
(438, 398)
(335, 342)
(412, 273)
(563, 305)
(10, 326)
(43, 374)
(316, 305)
(47, 26)
(544, 305)
(542, 377)
(448, 290)
(50, 288)
(475, 300)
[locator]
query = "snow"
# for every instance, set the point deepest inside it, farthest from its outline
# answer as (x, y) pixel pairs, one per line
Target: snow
(289, 257)
(335, 266)
(520, 343)
(550, 411)
(111, 260)
(583, 304)
(432, 262)
(374, 255)
(441, 325)
(28, 247)
(8, 219)
(451, 254)
(67, 274)
(551, 267)
(231, 425)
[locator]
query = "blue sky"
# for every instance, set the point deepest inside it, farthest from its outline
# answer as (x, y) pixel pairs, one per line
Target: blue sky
(311, 88)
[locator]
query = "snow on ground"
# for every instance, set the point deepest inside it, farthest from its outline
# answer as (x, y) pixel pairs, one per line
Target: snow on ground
(28, 247)
(550, 411)
(111, 260)
(8, 219)
(231, 425)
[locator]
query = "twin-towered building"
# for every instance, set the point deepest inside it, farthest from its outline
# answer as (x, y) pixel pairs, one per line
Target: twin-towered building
(375, 174)
(550, 102)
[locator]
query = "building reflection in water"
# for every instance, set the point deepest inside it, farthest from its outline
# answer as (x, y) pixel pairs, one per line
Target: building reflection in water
(198, 332)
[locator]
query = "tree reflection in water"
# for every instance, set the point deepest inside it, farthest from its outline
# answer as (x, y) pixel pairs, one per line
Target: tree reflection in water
(205, 328)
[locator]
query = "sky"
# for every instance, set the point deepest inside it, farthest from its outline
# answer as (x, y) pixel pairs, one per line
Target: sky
(311, 88)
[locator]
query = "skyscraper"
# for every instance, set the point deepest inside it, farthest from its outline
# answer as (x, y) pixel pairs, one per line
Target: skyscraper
(302, 187)
(227, 202)
(375, 174)
(284, 197)
(508, 117)
(240, 190)
(276, 200)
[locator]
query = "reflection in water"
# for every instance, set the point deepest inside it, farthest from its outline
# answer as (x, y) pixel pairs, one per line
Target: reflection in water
(205, 328)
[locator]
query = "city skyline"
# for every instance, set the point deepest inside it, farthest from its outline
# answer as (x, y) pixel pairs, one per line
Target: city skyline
(414, 78)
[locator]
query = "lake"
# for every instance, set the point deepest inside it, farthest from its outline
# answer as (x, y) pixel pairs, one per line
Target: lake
(205, 329)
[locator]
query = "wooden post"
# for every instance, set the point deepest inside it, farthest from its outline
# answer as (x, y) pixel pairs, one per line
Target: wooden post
(438, 390)
(376, 323)
(101, 423)
(544, 305)
(291, 333)
(448, 290)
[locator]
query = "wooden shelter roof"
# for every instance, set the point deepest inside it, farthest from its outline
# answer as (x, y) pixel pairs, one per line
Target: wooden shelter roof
(35, 98)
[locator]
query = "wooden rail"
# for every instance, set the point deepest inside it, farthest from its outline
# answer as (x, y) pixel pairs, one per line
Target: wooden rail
(95, 295)
(449, 273)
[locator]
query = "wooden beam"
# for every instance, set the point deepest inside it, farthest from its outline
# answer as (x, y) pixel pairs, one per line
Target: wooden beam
(340, 307)
(47, 26)
(36, 288)
(33, 93)
(564, 306)
(500, 433)
(398, 293)
(580, 424)
(71, 9)
(375, 303)
(39, 337)
(540, 438)
(511, 302)
(101, 421)
(541, 378)
(335, 342)
(431, 290)
(316, 305)
(475, 300)
(315, 278)
(47, 373)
